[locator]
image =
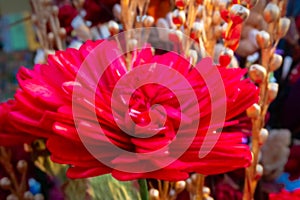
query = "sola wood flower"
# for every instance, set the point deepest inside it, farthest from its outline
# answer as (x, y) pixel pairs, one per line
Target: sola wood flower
(45, 107)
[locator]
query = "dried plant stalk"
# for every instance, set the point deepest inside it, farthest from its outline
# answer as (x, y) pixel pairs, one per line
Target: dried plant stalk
(17, 188)
(259, 122)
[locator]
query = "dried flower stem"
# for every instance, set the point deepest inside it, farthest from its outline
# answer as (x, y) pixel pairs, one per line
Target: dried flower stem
(5, 161)
(45, 15)
(191, 17)
(257, 125)
(55, 29)
(199, 187)
(259, 122)
(40, 22)
(208, 35)
(166, 190)
(130, 9)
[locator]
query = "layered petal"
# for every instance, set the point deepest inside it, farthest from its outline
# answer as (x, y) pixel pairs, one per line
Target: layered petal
(99, 117)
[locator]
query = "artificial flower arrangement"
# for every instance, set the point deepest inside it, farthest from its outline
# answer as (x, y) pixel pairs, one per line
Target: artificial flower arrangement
(149, 104)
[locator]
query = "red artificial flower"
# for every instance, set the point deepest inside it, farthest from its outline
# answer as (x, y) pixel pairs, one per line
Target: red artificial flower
(293, 164)
(285, 195)
(99, 11)
(225, 191)
(48, 111)
(232, 39)
(65, 15)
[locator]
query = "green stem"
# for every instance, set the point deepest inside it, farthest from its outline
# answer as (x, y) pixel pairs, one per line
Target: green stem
(143, 189)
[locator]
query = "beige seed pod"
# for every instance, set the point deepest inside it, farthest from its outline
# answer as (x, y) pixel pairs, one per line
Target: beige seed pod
(189, 184)
(172, 194)
(169, 18)
(194, 178)
(154, 194)
(227, 52)
(283, 27)
(178, 17)
(117, 11)
(22, 166)
(62, 33)
(39, 197)
(182, 16)
(28, 196)
(271, 12)
(113, 27)
(192, 54)
(225, 56)
(257, 73)
(162, 23)
(180, 186)
(275, 62)
(34, 19)
(272, 91)
(197, 28)
(259, 171)
(12, 197)
(51, 37)
(5, 183)
(253, 111)
(263, 39)
(239, 13)
(263, 136)
(148, 21)
(55, 10)
(163, 29)
(206, 190)
(132, 44)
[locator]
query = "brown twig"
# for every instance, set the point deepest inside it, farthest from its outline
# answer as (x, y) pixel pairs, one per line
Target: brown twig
(17, 188)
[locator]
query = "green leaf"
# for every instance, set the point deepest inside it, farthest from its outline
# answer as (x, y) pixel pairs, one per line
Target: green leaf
(107, 188)
(76, 189)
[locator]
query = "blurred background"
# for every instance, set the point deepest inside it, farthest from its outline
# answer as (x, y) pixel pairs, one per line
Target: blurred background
(17, 43)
